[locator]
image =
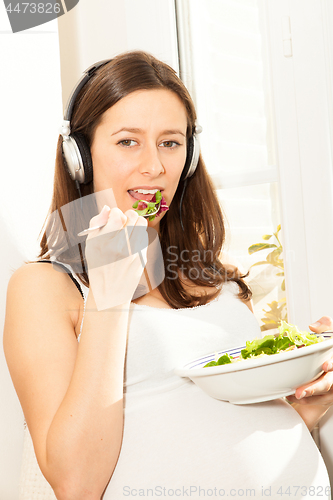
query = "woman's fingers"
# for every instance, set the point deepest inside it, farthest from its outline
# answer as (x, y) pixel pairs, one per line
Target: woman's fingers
(323, 324)
(316, 389)
(117, 219)
(101, 218)
(325, 400)
(112, 220)
(116, 258)
(133, 219)
(122, 235)
(137, 236)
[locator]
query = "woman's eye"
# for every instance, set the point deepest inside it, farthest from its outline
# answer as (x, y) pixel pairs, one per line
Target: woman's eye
(127, 142)
(170, 144)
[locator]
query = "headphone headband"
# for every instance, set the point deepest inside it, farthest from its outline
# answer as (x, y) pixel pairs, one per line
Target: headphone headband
(88, 73)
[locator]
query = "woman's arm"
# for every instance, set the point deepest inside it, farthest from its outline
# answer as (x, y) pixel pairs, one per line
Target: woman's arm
(311, 414)
(71, 393)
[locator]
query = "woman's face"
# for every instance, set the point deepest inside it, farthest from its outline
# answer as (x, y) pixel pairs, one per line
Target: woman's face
(140, 143)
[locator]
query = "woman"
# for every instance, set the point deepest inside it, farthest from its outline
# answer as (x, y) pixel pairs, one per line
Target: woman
(110, 405)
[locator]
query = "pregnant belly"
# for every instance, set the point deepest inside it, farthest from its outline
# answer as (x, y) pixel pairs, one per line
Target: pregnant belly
(183, 438)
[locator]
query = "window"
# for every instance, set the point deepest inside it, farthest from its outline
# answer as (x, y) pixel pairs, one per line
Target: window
(226, 70)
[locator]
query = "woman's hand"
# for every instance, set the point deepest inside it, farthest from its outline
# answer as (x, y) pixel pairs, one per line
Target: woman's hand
(320, 391)
(313, 400)
(116, 256)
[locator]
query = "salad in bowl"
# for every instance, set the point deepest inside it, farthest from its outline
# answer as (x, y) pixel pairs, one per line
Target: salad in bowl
(289, 338)
(264, 369)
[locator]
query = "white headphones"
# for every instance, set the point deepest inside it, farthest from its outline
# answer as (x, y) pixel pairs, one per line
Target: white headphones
(75, 149)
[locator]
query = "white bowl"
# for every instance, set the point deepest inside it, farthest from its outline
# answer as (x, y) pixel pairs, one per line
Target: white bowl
(259, 379)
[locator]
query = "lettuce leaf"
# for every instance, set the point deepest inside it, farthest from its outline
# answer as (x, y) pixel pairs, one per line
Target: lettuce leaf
(288, 336)
(150, 206)
(223, 360)
(297, 336)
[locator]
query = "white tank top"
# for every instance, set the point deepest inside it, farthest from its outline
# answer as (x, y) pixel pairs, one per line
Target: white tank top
(180, 442)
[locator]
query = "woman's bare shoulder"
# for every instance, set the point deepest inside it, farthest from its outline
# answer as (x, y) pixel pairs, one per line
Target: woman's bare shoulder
(45, 286)
(36, 269)
(43, 273)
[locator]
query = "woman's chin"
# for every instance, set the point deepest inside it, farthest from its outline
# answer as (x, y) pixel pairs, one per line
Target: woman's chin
(155, 223)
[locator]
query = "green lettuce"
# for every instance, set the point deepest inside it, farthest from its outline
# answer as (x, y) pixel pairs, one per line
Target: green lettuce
(289, 337)
(298, 337)
(223, 360)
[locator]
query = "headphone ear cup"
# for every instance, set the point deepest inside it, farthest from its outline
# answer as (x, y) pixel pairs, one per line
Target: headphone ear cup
(77, 158)
(192, 158)
(189, 157)
(85, 156)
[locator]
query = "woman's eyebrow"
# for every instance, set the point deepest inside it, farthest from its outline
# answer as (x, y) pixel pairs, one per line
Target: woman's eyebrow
(128, 129)
(173, 132)
(140, 131)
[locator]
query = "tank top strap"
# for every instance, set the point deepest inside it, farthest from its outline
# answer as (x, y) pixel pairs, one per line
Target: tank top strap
(70, 274)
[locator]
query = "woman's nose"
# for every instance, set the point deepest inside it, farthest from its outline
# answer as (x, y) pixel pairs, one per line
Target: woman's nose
(151, 162)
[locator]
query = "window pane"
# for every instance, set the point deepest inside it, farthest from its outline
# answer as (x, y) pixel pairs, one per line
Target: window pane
(228, 64)
(232, 92)
(251, 213)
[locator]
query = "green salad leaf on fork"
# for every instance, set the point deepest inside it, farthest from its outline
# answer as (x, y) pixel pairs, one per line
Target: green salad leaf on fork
(149, 209)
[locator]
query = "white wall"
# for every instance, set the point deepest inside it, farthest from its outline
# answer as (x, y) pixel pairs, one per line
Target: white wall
(98, 30)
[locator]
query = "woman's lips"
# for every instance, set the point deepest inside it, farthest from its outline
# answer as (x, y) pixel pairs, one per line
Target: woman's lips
(140, 196)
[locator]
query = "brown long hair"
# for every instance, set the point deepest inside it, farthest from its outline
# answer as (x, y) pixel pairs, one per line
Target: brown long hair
(204, 233)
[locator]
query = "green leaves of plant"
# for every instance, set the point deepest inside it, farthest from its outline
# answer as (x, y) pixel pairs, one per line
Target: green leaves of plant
(260, 246)
(278, 310)
(273, 257)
